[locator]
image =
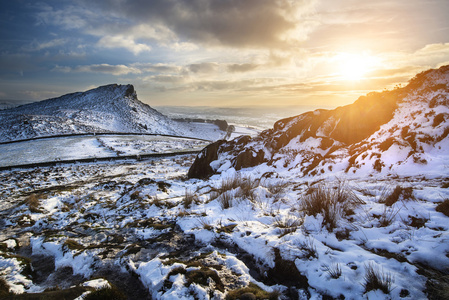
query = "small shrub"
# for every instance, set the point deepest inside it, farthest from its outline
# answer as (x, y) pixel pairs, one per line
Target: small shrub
(308, 248)
(334, 270)
(214, 194)
(332, 202)
(226, 229)
(390, 197)
(225, 199)
(388, 216)
(204, 224)
(33, 203)
(189, 198)
(443, 207)
(287, 225)
(106, 293)
(231, 183)
(377, 280)
(247, 186)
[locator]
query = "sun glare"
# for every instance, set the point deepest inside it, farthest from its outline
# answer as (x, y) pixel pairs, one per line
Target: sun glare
(354, 67)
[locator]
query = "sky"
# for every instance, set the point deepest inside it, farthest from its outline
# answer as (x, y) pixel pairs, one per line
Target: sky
(226, 53)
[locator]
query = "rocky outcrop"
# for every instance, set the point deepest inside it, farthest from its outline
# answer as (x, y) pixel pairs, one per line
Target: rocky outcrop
(378, 132)
(109, 108)
(201, 166)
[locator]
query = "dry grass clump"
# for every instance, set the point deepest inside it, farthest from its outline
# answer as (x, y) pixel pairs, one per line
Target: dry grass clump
(252, 291)
(231, 183)
(334, 270)
(388, 216)
(205, 224)
(377, 280)
(287, 225)
(226, 200)
(189, 198)
(33, 202)
(73, 245)
(396, 194)
(308, 248)
(331, 202)
(443, 207)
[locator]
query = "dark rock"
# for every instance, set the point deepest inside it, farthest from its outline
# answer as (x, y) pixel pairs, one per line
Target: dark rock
(249, 158)
(201, 166)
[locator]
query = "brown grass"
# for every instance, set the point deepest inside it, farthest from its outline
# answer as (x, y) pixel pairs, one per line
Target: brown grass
(189, 198)
(33, 202)
(377, 280)
(332, 202)
(252, 289)
(443, 207)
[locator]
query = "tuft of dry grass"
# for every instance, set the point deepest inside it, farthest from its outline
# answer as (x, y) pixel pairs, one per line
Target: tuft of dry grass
(205, 224)
(252, 291)
(189, 198)
(334, 270)
(331, 202)
(376, 279)
(390, 197)
(308, 248)
(226, 200)
(287, 225)
(33, 202)
(73, 245)
(388, 216)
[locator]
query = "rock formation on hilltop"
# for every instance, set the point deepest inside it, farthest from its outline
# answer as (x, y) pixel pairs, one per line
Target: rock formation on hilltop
(109, 108)
(391, 131)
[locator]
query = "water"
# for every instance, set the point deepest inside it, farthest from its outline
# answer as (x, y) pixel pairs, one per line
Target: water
(262, 118)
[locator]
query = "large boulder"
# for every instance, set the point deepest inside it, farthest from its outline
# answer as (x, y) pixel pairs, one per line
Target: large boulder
(201, 166)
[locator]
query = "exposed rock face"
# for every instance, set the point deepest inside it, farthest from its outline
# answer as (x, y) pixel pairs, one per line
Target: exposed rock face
(201, 167)
(379, 131)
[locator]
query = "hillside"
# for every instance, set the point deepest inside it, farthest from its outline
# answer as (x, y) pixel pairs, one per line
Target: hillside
(351, 203)
(402, 131)
(110, 108)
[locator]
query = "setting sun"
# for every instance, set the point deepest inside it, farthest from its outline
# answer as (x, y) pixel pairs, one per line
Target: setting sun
(356, 66)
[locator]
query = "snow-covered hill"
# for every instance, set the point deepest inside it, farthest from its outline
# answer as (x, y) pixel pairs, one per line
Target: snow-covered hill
(403, 132)
(110, 108)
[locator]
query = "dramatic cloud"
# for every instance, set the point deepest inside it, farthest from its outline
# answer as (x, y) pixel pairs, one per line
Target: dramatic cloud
(215, 52)
(234, 23)
(101, 68)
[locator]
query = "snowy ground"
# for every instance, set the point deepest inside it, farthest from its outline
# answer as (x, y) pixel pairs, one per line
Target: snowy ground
(234, 233)
(82, 147)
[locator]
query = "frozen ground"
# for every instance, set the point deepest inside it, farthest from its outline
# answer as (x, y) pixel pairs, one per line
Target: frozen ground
(145, 228)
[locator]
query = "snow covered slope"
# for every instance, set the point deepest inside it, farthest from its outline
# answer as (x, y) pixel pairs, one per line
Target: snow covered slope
(403, 132)
(110, 108)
